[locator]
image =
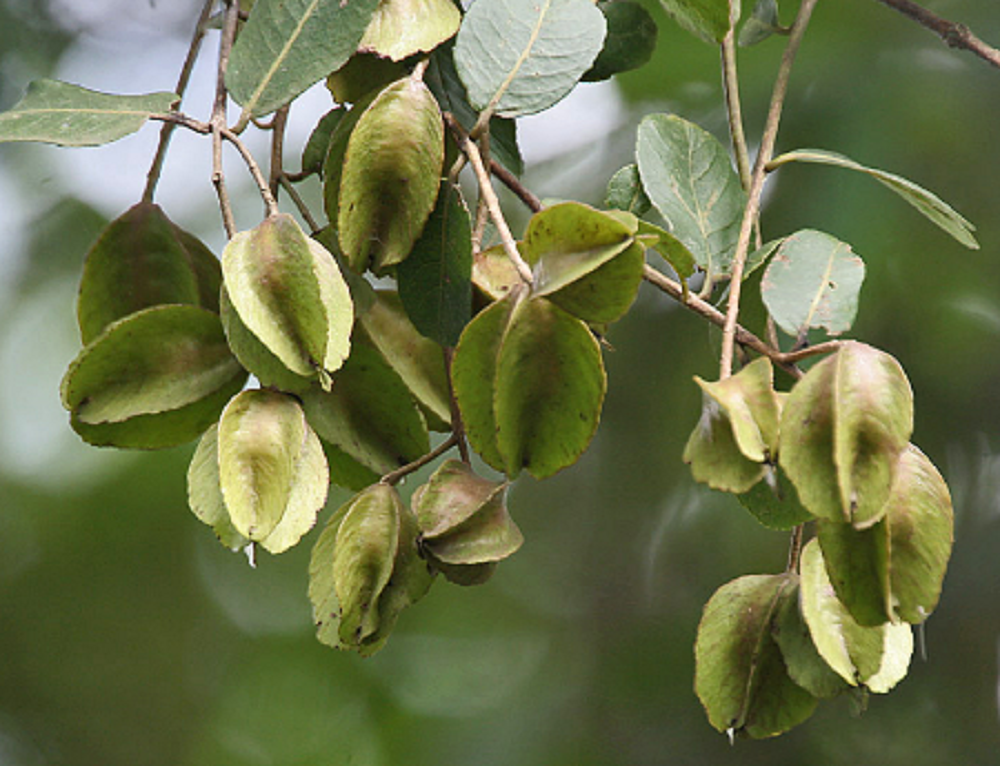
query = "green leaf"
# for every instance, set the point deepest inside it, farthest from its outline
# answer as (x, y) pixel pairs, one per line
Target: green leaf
(494, 274)
(463, 518)
(707, 19)
(813, 280)
(401, 28)
(205, 491)
(921, 528)
(930, 205)
(272, 471)
(858, 563)
(418, 361)
(805, 665)
(140, 260)
(391, 175)
(411, 578)
(288, 291)
(583, 260)
(363, 558)
(435, 281)
(364, 74)
(56, 112)
(156, 360)
(738, 429)
(369, 413)
(690, 180)
(474, 375)
(518, 57)
(314, 153)
(625, 192)
(322, 588)
(672, 249)
(254, 356)
(449, 90)
(287, 45)
(333, 164)
(775, 503)
(763, 23)
(843, 428)
(549, 388)
(629, 43)
(740, 676)
(876, 657)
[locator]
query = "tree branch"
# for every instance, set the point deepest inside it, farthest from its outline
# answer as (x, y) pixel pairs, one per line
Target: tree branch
(393, 477)
(953, 34)
(757, 183)
(218, 119)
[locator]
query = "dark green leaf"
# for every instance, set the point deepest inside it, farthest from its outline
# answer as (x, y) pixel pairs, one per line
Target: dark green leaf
(629, 43)
(287, 45)
(369, 414)
(775, 503)
(857, 562)
(519, 57)
(435, 281)
(314, 154)
(56, 112)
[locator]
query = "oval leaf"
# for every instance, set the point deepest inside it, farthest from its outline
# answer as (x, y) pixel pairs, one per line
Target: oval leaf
(288, 291)
(364, 554)
(271, 468)
(813, 280)
(549, 388)
(629, 43)
(368, 414)
(140, 260)
(435, 281)
(56, 112)
(157, 360)
(707, 19)
(205, 491)
(843, 428)
(690, 180)
(740, 676)
(401, 28)
(519, 57)
(921, 529)
(390, 176)
(287, 45)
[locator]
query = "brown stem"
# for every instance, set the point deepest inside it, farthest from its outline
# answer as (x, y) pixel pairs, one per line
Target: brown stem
(153, 176)
(278, 125)
(513, 183)
(393, 477)
(752, 209)
(218, 119)
(299, 203)
(953, 34)
(795, 548)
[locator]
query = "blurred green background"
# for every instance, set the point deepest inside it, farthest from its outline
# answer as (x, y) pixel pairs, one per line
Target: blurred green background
(129, 636)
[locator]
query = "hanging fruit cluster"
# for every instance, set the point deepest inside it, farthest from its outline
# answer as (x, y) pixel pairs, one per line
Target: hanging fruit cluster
(839, 619)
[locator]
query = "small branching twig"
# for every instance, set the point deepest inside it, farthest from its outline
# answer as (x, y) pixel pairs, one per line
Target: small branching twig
(757, 183)
(293, 193)
(153, 176)
(731, 87)
(394, 477)
(278, 125)
(489, 196)
(953, 34)
(513, 183)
